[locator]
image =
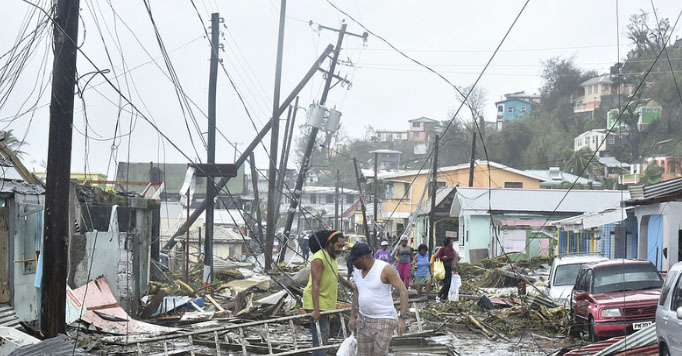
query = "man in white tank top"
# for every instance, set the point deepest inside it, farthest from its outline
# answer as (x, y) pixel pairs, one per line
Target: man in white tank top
(373, 316)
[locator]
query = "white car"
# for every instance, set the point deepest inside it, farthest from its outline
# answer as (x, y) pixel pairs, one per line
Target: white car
(563, 273)
(669, 314)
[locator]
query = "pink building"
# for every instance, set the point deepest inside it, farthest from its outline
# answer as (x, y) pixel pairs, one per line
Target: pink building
(419, 128)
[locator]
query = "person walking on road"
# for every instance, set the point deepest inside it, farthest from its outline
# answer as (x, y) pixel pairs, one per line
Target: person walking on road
(373, 316)
(404, 256)
(449, 258)
(422, 274)
(321, 292)
(383, 253)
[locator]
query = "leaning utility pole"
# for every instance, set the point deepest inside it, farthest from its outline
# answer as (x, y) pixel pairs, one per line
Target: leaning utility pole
(472, 161)
(55, 252)
(376, 199)
(434, 190)
(201, 207)
(210, 182)
(362, 200)
(274, 138)
(309, 147)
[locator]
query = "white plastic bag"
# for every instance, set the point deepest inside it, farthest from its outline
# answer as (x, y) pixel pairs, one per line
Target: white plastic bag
(349, 347)
(455, 283)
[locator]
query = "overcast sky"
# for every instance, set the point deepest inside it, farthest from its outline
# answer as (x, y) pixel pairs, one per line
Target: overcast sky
(454, 37)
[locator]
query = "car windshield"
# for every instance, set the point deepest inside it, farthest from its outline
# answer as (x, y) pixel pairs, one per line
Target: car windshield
(626, 277)
(565, 274)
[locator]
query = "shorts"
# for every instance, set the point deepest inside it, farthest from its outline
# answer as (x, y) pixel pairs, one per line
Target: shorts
(421, 280)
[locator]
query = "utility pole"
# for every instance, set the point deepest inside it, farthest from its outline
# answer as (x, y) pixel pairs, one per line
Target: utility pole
(284, 160)
(434, 190)
(210, 182)
(256, 200)
(336, 201)
(53, 287)
(473, 159)
(376, 199)
(362, 200)
(311, 139)
(201, 207)
(274, 138)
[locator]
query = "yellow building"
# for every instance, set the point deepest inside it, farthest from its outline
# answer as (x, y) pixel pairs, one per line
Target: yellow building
(82, 178)
(405, 190)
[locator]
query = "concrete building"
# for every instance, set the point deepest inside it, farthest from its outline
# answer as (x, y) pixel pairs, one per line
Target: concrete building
(388, 160)
(391, 135)
(599, 140)
(589, 94)
(498, 221)
(405, 190)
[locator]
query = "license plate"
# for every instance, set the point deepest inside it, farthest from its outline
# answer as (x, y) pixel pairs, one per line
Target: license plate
(642, 325)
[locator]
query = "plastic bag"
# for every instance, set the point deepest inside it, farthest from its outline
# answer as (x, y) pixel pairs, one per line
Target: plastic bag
(455, 283)
(349, 347)
(438, 270)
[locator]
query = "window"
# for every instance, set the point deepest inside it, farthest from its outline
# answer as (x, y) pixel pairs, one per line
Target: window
(589, 90)
(313, 198)
(606, 88)
(669, 281)
(329, 198)
(611, 140)
(565, 274)
(416, 124)
(594, 139)
(523, 109)
(648, 109)
(510, 109)
(513, 184)
(677, 296)
(596, 88)
(626, 277)
(500, 108)
(587, 140)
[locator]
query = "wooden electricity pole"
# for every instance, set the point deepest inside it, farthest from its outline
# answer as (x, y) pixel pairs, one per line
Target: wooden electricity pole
(472, 161)
(55, 249)
(362, 200)
(434, 190)
(376, 200)
(272, 209)
(207, 278)
(336, 201)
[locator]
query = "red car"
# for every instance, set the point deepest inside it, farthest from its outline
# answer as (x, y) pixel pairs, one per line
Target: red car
(615, 297)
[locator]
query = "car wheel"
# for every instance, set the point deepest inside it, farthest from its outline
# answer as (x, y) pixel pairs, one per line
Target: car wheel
(663, 350)
(593, 333)
(573, 328)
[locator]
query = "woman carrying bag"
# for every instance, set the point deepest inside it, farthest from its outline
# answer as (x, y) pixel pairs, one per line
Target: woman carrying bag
(449, 258)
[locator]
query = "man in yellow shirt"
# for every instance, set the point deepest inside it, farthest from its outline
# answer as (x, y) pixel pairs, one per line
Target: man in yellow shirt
(321, 292)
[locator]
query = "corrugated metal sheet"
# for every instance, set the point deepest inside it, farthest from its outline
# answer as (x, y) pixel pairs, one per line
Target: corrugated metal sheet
(535, 200)
(8, 317)
(56, 346)
(644, 337)
(653, 191)
(8, 186)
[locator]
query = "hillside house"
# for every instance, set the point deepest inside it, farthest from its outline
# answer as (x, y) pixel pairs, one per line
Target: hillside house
(597, 141)
(391, 135)
(515, 106)
(589, 94)
(647, 114)
(419, 129)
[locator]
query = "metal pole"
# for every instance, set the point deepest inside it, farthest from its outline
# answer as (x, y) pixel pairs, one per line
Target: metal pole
(336, 201)
(376, 199)
(434, 191)
(291, 120)
(362, 201)
(55, 258)
(201, 207)
(210, 182)
(256, 199)
(187, 243)
(309, 148)
(274, 138)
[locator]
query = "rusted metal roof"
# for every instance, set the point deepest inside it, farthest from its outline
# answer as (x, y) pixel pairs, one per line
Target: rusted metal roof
(9, 186)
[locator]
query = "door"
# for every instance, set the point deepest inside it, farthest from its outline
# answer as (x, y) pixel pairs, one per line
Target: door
(674, 325)
(582, 307)
(655, 240)
(663, 314)
(4, 255)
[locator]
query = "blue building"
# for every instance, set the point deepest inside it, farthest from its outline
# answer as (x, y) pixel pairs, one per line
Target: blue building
(515, 106)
